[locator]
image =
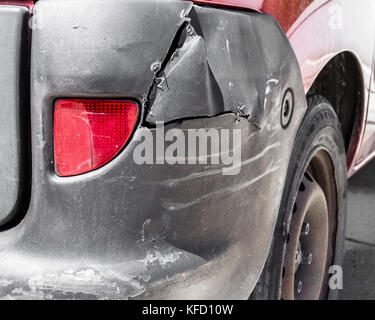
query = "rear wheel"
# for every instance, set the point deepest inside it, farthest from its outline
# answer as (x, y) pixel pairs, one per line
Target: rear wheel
(310, 230)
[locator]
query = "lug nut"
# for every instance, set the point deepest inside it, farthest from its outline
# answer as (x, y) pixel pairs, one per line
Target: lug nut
(297, 257)
(299, 287)
(306, 229)
(307, 258)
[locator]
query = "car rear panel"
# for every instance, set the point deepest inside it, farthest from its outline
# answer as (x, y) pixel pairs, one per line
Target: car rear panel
(14, 115)
(125, 230)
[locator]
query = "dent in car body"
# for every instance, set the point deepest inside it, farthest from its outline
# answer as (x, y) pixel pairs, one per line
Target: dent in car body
(331, 27)
(285, 12)
(214, 68)
(124, 230)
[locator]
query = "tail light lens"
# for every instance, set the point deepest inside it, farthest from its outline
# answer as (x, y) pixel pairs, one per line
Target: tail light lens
(90, 133)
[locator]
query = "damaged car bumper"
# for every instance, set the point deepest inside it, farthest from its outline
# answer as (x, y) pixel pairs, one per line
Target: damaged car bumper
(155, 231)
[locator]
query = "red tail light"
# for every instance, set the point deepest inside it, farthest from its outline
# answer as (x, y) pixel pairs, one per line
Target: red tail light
(90, 133)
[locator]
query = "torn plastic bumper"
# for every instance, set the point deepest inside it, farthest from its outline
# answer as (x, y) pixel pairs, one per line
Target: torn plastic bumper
(152, 231)
(222, 61)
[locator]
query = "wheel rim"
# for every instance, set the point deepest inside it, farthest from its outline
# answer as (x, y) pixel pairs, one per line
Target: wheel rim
(307, 248)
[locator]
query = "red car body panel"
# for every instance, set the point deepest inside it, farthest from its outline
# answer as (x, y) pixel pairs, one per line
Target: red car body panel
(25, 3)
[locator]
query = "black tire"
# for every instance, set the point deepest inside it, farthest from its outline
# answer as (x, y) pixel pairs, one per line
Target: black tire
(319, 130)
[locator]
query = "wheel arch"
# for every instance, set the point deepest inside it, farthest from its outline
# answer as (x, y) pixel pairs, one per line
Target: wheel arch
(341, 83)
